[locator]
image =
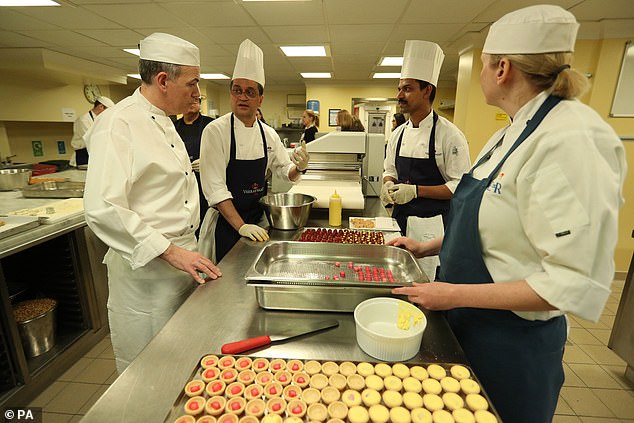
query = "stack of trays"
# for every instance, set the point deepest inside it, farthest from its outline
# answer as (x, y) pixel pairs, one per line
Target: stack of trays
(328, 277)
(232, 389)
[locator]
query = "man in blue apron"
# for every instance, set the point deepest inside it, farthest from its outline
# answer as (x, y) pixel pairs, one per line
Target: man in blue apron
(81, 127)
(236, 152)
(533, 226)
(426, 156)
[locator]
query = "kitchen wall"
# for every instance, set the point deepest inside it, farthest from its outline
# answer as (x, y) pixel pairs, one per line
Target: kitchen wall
(601, 59)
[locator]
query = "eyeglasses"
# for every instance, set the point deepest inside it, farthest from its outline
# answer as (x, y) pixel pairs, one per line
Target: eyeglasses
(249, 92)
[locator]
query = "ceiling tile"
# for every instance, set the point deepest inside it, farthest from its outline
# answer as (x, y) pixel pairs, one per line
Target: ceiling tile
(286, 13)
(340, 12)
(360, 33)
(438, 11)
(498, 8)
(129, 15)
(235, 35)
(63, 37)
(210, 15)
(296, 35)
(16, 40)
(123, 38)
(590, 10)
(70, 17)
(12, 20)
(437, 33)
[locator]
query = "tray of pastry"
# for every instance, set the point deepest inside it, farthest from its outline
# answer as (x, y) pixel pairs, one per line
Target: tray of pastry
(232, 389)
(331, 264)
(54, 189)
(341, 236)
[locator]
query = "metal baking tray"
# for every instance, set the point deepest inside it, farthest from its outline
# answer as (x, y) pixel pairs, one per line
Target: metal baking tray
(53, 189)
(317, 264)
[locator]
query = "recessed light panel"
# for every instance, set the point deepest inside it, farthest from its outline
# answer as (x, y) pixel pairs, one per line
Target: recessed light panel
(323, 75)
(304, 51)
(391, 61)
(28, 3)
(386, 75)
(213, 76)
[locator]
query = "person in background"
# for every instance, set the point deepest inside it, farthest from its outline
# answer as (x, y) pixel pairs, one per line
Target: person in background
(357, 125)
(141, 197)
(81, 127)
(533, 226)
(344, 120)
(426, 156)
(311, 122)
(259, 116)
(236, 152)
(397, 120)
(190, 128)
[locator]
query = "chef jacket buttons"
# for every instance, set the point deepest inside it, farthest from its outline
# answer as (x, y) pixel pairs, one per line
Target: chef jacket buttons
(191, 226)
(172, 145)
(185, 201)
(186, 173)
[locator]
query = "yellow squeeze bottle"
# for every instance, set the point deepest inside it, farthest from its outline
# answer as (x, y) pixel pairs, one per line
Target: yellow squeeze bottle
(334, 210)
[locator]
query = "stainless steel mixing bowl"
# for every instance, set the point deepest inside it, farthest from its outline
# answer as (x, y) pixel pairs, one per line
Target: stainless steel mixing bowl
(287, 211)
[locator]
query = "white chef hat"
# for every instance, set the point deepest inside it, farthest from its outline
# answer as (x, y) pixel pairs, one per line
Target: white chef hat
(422, 60)
(105, 101)
(249, 63)
(166, 48)
(536, 29)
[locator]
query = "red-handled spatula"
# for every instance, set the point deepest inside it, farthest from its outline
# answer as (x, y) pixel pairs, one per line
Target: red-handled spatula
(260, 341)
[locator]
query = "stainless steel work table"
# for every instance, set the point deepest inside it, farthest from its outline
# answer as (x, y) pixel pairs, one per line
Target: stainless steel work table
(226, 310)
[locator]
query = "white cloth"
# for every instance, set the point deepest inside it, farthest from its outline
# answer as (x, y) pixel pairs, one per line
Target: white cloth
(424, 229)
(542, 28)
(167, 48)
(452, 151)
(140, 190)
(81, 125)
(105, 101)
(550, 217)
(422, 60)
(249, 63)
(215, 151)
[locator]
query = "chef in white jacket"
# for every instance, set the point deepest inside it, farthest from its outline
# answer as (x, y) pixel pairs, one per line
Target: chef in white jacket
(141, 197)
(236, 152)
(81, 127)
(533, 226)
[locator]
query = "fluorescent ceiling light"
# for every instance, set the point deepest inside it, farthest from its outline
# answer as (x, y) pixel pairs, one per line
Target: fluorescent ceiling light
(386, 75)
(134, 51)
(324, 75)
(304, 51)
(391, 61)
(28, 3)
(276, 0)
(213, 76)
(134, 75)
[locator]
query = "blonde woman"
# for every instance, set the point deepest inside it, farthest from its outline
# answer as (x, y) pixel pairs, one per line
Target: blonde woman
(311, 123)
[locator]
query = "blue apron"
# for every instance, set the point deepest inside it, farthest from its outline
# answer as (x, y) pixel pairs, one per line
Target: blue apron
(518, 361)
(411, 170)
(246, 180)
(81, 155)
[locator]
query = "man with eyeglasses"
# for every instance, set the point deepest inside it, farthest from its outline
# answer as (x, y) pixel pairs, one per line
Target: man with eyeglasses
(190, 128)
(237, 151)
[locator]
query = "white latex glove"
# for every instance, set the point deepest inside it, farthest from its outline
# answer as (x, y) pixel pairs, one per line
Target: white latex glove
(386, 196)
(196, 165)
(404, 193)
(300, 157)
(255, 232)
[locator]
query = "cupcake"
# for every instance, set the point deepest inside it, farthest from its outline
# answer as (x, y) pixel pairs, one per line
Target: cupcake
(276, 406)
(195, 405)
(329, 368)
(392, 399)
(215, 405)
(311, 396)
(294, 366)
(312, 367)
(379, 413)
(194, 388)
(260, 365)
(263, 378)
(419, 373)
(469, 386)
(442, 416)
(206, 419)
(476, 402)
(317, 412)
(277, 365)
(374, 382)
(228, 375)
(400, 370)
(338, 381)
(292, 392)
(243, 363)
(236, 405)
(435, 371)
(383, 370)
(400, 415)
(462, 415)
(236, 389)
(283, 377)
(296, 408)
(215, 387)
(338, 410)
(228, 418)
(208, 361)
(356, 382)
(365, 369)
(226, 362)
(433, 402)
(185, 419)
(370, 397)
(412, 400)
(411, 384)
(347, 368)
(452, 401)
(431, 386)
(273, 390)
(253, 391)
(246, 376)
(450, 384)
(393, 383)
(272, 418)
(330, 394)
(210, 373)
(421, 415)
(351, 398)
(459, 372)
(318, 381)
(249, 419)
(484, 416)
(293, 420)
(358, 414)
(301, 379)
(255, 407)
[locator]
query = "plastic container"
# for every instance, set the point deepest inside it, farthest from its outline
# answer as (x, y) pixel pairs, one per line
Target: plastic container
(313, 105)
(378, 334)
(37, 332)
(334, 210)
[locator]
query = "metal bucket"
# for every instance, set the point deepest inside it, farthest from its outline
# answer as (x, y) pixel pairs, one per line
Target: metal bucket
(38, 333)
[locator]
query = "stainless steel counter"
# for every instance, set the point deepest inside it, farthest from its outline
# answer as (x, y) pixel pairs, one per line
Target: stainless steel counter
(226, 310)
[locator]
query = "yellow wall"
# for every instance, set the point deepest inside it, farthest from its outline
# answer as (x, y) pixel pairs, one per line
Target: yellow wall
(602, 59)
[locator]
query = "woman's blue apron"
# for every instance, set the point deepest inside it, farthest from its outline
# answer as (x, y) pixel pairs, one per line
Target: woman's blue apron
(518, 361)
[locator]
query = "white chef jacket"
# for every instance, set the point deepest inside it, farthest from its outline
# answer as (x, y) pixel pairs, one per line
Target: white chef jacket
(141, 193)
(551, 214)
(215, 152)
(452, 151)
(81, 125)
